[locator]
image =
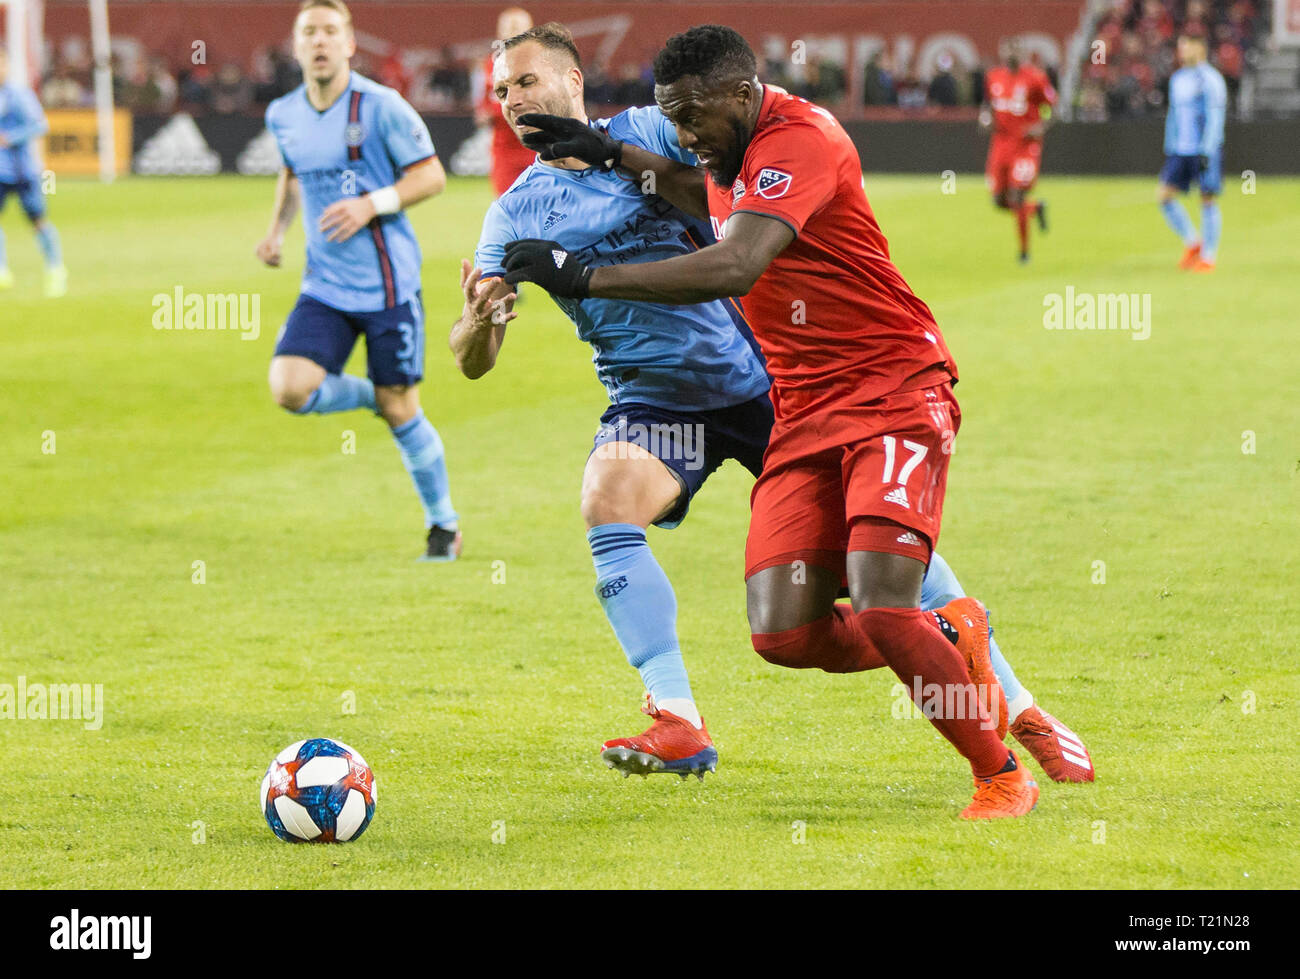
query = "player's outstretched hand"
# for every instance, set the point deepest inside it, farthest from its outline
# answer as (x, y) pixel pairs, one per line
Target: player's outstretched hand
(268, 250)
(482, 308)
(342, 219)
(559, 137)
(549, 265)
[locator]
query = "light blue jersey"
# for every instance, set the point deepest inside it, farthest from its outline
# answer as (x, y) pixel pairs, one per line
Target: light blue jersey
(363, 142)
(22, 122)
(692, 358)
(1198, 101)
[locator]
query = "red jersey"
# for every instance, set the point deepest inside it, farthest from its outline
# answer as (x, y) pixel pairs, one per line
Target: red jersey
(1016, 98)
(836, 321)
(510, 157)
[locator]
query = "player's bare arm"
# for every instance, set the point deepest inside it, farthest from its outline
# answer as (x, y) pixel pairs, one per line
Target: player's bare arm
(477, 336)
(1039, 128)
(681, 185)
(420, 181)
(729, 268)
(283, 211)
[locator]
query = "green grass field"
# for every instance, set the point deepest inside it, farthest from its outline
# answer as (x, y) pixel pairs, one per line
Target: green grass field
(483, 688)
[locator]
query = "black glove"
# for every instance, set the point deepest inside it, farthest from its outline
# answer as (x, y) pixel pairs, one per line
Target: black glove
(1203, 162)
(558, 137)
(547, 264)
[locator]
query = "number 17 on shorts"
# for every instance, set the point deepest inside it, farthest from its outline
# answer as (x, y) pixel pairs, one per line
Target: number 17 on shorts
(895, 484)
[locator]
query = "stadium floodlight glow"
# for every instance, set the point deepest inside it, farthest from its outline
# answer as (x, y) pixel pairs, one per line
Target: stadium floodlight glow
(24, 29)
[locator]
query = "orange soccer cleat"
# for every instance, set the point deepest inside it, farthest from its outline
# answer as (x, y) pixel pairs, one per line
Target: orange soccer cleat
(1191, 255)
(971, 620)
(1004, 795)
(1054, 746)
(1202, 265)
(671, 745)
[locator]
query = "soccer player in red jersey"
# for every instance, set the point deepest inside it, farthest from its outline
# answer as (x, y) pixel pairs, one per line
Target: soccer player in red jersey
(1018, 99)
(510, 158)
(853, 480)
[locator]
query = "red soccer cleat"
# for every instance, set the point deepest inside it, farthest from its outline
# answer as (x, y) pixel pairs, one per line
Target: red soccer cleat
(1004, 795)
(671, 745)
(1054, 746)
(1191, 255)
(971, 620)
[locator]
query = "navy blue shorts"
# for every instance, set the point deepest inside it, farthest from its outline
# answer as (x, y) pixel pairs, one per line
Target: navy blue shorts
(29, 193)
(394, 339)
(693, 444)
(1180, 171)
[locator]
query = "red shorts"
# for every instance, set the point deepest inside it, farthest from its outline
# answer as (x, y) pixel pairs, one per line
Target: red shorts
(861, 478)
(1012, 163)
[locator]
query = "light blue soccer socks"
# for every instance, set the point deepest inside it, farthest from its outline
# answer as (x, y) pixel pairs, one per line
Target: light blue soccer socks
(50, 247)
(1176, 216)
(939, 587)
(1211, 228)
(422, 454)
(340, 392)
(639, 602)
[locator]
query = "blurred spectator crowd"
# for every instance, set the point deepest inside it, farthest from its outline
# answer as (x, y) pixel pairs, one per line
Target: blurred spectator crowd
(1127, 66)
(1125, 72)
(151, 85)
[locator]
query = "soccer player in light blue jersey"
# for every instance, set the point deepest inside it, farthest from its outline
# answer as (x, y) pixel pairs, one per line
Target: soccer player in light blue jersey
(355, 154)
(22, 123)
(1198, 101)
(686, 385)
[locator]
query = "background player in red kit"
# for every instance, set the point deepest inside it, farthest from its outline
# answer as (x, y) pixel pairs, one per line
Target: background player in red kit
(510, 158)
(1017, 104)
(853, 480)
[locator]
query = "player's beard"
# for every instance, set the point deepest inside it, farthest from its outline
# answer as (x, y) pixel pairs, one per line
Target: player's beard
(558, 106)
(726, 171)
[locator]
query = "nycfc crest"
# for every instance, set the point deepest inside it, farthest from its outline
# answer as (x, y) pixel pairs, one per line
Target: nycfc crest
(354, 135)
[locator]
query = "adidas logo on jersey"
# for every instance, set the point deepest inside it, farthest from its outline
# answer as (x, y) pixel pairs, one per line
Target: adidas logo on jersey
(910, 539)
(898, 495)
(552, 219)
(559, 256)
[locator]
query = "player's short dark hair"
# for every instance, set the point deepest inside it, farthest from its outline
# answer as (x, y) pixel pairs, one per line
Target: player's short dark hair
(552, 35)
(711, 52)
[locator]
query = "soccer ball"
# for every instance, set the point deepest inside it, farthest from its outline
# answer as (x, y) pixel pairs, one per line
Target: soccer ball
(318, 791)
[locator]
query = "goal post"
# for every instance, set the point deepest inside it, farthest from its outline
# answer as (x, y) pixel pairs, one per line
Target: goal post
(24, 23)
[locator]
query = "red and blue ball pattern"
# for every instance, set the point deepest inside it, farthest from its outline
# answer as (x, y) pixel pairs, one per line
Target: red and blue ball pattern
(318, 791)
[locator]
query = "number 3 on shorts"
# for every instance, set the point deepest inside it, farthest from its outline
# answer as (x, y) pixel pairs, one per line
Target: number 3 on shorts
(918, 453)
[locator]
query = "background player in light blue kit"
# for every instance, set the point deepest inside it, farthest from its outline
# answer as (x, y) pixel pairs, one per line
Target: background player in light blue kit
(355, 153)
(1198, 101)
(687, 391)
(22, 123)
